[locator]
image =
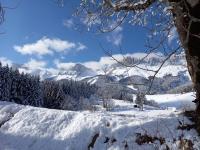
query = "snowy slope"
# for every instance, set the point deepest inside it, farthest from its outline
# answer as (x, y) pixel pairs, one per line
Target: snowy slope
(30, 128)
(174, 100)
(165, 70)
(79, 71)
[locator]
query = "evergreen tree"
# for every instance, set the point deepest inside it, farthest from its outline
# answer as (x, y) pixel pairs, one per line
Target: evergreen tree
(5, 84)
(28, 90)
(14, 86)
(53, 95)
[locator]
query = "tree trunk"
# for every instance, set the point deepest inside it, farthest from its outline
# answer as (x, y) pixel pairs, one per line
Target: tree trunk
(189, 32)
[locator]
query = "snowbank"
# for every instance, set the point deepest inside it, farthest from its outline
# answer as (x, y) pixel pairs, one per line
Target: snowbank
(178, 101)
(30, 128)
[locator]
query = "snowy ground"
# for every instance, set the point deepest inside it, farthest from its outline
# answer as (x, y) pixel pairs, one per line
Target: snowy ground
(30, 128)
(178, 101)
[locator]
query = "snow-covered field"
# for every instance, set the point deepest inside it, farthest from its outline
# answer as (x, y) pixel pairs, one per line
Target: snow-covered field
(166, 69)
(30, 128)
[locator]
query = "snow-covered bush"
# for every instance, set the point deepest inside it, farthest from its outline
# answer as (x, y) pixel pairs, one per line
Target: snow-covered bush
(94, 99)
(114, 91)
(140, 99)
(88, 103)
(108, 104)
(67, 95)
(69, 103)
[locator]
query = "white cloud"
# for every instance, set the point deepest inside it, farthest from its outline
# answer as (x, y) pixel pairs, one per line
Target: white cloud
(35, 64)
(63, 65)
(81, 47)
(45, 46)
(105, 60)
(68, 23)
(95, 65)
(5, 61)
(115, 37)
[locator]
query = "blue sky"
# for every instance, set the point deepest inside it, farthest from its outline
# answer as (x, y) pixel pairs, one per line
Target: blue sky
(42, 31)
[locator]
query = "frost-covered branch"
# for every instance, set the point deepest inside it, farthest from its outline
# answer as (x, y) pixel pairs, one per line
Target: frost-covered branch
(128, 5)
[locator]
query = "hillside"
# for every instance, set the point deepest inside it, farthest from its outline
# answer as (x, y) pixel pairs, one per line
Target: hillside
(106, 65)
(106, 73)
(30, 128)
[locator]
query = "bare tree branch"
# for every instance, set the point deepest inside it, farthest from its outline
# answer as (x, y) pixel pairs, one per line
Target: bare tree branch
(161, 65)
(2, 12)
(129, 6)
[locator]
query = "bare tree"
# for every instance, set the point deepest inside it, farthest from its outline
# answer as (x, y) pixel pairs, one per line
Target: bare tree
(160, 17)
(1, 14)
(105, 69)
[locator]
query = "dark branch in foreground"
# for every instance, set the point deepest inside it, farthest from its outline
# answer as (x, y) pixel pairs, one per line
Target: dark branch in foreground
(2, 12)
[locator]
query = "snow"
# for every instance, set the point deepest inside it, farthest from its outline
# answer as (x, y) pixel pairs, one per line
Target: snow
(131, 87)
(165, 70)
(178, 101)
(93, 80)
(31, 128)
(68, 70)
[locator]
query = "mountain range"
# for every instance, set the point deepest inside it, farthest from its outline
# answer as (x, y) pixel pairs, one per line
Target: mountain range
(128, 73)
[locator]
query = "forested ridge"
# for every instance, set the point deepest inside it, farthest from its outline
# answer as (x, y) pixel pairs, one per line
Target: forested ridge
(28, 89)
